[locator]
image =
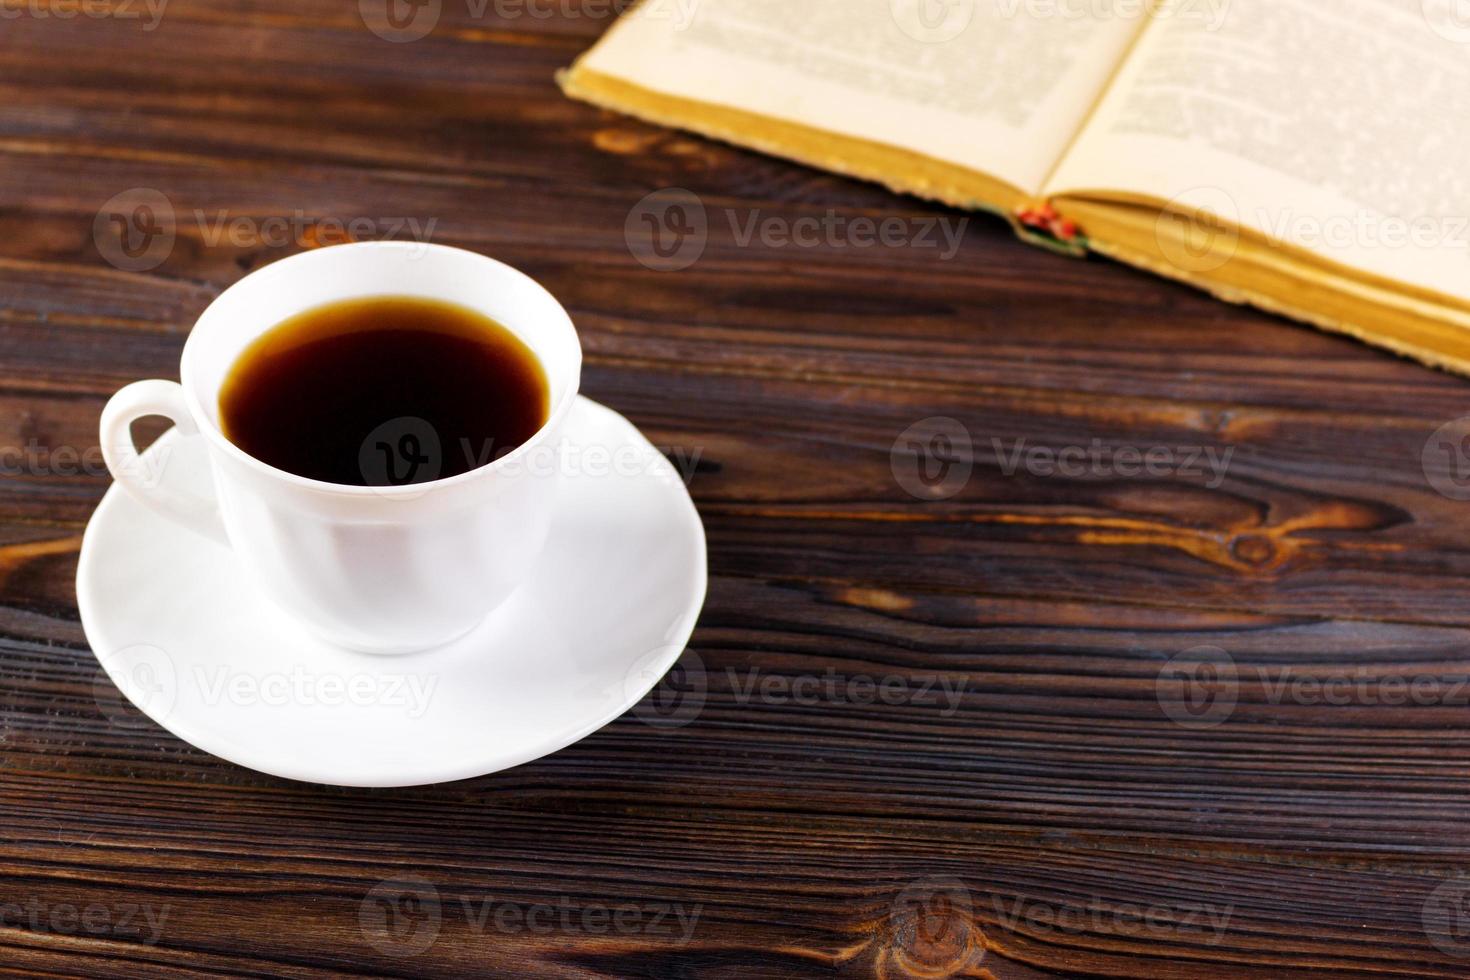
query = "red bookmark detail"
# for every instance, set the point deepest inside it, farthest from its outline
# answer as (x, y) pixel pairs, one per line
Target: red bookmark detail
(1044, 218)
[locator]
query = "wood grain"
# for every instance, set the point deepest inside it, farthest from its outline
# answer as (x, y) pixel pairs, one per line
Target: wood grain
(1025, 804)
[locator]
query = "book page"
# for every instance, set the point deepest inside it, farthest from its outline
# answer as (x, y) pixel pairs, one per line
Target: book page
(998, 86)
(1341, 128)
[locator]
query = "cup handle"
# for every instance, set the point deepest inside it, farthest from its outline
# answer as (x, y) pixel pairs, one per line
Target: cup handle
(139, 400)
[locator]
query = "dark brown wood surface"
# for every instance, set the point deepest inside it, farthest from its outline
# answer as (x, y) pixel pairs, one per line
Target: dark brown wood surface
(1064, 815)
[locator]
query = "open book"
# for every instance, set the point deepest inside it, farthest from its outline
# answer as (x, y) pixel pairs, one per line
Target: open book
(1311, 157)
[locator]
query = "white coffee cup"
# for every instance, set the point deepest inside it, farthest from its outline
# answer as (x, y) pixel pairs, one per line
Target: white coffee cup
(382, 569)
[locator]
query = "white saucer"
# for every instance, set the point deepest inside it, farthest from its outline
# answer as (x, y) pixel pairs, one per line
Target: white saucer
(606, 611)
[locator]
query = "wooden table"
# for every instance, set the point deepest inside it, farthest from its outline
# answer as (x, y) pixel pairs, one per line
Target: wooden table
(963, 713)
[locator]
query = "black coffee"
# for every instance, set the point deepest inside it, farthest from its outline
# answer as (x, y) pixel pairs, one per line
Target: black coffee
(383, 391)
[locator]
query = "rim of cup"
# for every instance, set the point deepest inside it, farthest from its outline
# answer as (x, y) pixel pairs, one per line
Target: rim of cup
(209, 426)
